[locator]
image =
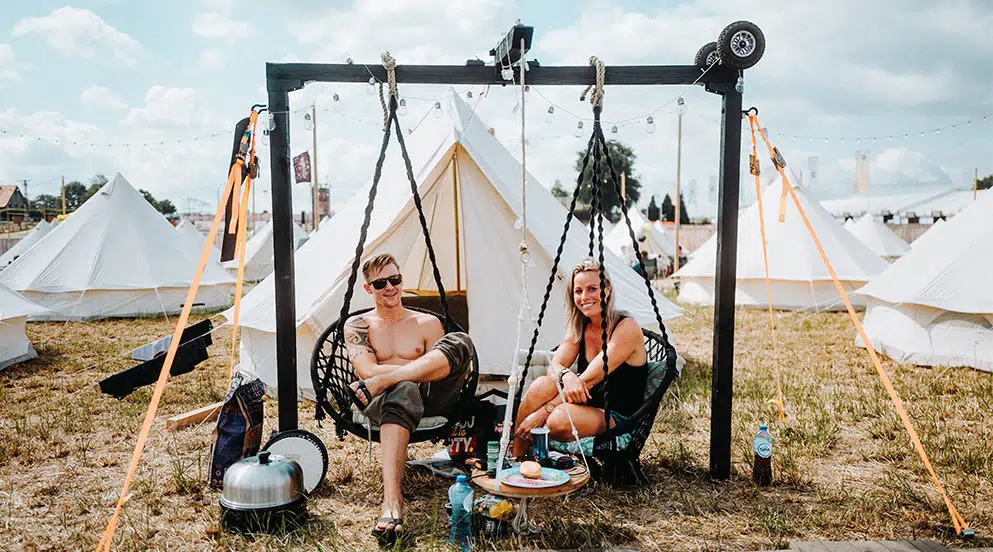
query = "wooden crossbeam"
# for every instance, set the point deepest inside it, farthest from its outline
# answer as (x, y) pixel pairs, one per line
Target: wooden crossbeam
(206, 414)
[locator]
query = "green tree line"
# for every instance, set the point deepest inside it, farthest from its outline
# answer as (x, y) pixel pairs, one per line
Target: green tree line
(77, 193)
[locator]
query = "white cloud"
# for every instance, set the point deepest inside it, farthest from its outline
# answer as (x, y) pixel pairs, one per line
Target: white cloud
(98, 96)
(7, 71)
(211, 58)
(215, 25)
(80, 32)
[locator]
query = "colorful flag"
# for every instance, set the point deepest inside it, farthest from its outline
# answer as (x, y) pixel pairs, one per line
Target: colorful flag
(301, 167)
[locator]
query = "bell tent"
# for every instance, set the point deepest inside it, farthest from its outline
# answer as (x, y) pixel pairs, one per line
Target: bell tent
(471, 194)
(797, 275)
(116, 256)
(878, 237)
(27, 242)
(259, 260)
(14, 311)
(934, 306)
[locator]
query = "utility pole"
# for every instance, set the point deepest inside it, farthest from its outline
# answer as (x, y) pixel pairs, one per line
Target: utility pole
(679, 161)
(63, 196)
(313, 177)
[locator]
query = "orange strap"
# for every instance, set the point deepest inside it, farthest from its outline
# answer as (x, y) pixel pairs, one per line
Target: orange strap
(765, 264)
(240, 247)
(108, 535)
(957, 521)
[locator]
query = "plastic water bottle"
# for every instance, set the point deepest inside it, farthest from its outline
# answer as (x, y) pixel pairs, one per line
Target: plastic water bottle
(762, 468)
(460, 496)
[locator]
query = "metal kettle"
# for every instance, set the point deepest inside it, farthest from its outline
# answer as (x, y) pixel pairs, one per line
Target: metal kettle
(263, 492)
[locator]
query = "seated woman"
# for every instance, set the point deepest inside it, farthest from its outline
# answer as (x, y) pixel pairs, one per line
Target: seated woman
(585, 392)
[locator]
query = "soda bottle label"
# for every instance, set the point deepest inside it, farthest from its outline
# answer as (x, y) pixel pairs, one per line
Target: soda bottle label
(763, 448)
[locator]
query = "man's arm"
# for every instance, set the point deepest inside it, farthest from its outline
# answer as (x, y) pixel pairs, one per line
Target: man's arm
(360, 351)
(431, 330)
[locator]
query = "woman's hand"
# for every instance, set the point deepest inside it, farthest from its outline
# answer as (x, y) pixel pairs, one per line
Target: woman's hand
(574, 389)
(533, 420)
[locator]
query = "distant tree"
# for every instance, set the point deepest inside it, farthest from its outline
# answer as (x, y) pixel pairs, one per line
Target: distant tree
(653, 210)
(165, 206)
(560, 193)
(46, 201)
(98, 181)
(622, 158)
(985, 183)
(669, 210)
(75, 195)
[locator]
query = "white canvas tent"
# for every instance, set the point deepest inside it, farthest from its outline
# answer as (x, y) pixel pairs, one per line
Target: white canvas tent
(479, 262)
(116, 256)
(27, 242)
(14, 311)
(878, 237)
(934, 305)
(194, 237)
(259, 260)
(798, 277)
(928, 234)
(655, 243)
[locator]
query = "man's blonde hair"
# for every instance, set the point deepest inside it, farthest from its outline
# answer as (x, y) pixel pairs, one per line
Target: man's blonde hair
(377, 263)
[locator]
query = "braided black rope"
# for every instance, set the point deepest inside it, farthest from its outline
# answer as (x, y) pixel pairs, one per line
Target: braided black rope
(596, 199)
(551, 275)
(424, 223)
(321, 392)
(641, 268)
(597, 190)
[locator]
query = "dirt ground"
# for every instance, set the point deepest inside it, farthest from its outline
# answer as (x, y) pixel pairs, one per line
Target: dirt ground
(843, 465)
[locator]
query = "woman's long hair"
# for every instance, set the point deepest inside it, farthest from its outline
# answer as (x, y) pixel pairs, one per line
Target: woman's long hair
(575, 319)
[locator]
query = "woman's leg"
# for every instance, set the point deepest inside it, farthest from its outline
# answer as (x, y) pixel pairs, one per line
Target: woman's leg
(588, 420)
(540, 392)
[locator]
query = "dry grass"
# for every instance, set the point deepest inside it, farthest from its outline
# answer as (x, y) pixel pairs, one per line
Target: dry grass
(844, 468)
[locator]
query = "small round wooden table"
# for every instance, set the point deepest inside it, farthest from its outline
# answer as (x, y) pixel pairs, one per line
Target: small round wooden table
(579, 476)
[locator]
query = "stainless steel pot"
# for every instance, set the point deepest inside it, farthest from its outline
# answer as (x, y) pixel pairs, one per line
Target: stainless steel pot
(263, 493)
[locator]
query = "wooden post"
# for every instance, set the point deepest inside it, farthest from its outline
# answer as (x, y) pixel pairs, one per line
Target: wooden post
(313, 162)
(679, 162)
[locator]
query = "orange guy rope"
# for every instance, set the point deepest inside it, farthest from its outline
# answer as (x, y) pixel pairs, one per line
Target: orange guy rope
(108, 535)
(961, 528)
(240, 247)
(765, 263)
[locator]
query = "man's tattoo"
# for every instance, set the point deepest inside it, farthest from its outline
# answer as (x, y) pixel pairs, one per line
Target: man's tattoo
(357, 337)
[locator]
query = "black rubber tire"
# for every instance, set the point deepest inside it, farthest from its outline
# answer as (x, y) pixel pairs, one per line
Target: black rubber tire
(748, 40)
(705, 55)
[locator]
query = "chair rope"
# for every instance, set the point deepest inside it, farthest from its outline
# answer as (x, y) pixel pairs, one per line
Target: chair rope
(390, 117)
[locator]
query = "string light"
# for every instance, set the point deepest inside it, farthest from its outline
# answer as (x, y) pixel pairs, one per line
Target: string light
(888, 137)
(650, 125)
(372, 86)
(550, 114)
(579, 130)
(437, 110)
(402, 108)
(468, 94)
(613, 129)
(335, 97)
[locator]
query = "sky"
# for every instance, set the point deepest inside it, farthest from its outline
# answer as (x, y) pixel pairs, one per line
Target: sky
(153, 90)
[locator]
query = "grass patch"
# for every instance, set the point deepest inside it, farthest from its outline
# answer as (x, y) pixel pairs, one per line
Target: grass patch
(843, 465)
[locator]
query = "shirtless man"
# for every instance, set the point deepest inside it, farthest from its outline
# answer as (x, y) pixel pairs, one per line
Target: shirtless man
(409, 368)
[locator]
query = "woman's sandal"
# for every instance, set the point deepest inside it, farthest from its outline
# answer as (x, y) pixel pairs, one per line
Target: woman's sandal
(388, 535)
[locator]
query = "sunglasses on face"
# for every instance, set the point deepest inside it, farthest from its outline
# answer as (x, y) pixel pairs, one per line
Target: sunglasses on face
(394, 280)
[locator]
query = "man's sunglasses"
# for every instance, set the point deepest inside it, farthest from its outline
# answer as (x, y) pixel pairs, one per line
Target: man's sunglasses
(380, 283)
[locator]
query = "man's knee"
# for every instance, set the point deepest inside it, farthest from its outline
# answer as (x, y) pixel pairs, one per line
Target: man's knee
(403, 405)
(458, 349)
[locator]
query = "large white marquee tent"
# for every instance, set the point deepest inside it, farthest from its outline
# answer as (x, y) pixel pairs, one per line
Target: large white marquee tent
(479, 262)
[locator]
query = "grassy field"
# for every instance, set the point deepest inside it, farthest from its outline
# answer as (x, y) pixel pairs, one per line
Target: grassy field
(844, 467)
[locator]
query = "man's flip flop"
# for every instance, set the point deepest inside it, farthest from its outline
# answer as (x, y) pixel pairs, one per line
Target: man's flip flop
(365, 391)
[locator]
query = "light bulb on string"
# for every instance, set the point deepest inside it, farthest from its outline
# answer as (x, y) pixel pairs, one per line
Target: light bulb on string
(437, 110)
(402, 107)
(549, 114)
(613, 129)
(335, 97)
(650, 125)
(579, 130)
(468, 94)
(310, 124)
(372, 86)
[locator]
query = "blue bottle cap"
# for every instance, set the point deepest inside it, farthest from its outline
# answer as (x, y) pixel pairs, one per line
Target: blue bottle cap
(763, 428)
(461, 478)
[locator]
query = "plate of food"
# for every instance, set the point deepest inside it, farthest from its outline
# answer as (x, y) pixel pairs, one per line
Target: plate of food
(530, 475)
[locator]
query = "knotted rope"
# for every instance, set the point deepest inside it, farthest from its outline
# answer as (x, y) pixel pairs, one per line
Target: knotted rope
(596, 98)
(390, 65)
